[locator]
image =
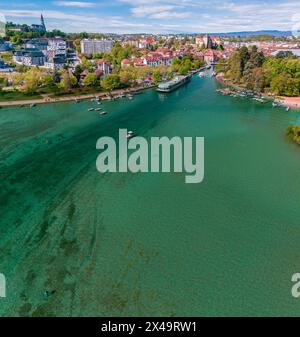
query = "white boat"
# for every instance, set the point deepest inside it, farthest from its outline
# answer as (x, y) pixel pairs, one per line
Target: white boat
(91, 109)
(130, 134)
(98, 109)
(103, 113)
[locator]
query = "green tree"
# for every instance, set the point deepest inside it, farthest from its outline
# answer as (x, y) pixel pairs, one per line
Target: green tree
(285, 84)
(111, 82)
(77, 72)
(90, 80)
(32, 81)
(68, 81)
(285, 54)
(157, 77)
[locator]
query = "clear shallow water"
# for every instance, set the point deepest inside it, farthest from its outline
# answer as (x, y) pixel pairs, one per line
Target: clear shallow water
(149, 244)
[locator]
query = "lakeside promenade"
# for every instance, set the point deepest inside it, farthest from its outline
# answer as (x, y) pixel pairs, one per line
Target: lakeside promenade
(104, 95)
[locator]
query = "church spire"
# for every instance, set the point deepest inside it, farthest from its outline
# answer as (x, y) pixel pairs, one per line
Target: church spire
(43, 23)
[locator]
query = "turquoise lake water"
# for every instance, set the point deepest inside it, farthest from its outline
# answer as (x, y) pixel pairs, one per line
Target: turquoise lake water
(147, 243)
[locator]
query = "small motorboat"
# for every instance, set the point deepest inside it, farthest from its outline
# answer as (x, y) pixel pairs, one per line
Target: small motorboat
(130, 134)
(98, 109)
(32, 105)
(91, 109)
(103, 113)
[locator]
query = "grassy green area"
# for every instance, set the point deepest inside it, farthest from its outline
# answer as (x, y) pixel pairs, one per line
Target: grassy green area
(7, 57)
(77, 91)
(16, 96)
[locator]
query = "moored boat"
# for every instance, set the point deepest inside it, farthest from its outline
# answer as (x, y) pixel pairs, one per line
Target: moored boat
(130, 134)
(173, 84)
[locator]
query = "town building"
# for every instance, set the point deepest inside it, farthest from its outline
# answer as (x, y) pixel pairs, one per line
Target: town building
(41, 28)
(57, 46)
(29, 57)
(5, 68)
(38, 28)
(39, 44)
(72, 58)
(146, 43)
(4, 46)
(96, 46)
(55, 63)
(208, 42)
(125, 63)
(211, 56)
(104, 67)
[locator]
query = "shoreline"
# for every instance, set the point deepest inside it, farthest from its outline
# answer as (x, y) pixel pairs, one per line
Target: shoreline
(104, 95)
(289, 102)
(68, 98)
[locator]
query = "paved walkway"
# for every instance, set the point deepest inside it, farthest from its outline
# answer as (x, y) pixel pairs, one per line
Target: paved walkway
(47, 99)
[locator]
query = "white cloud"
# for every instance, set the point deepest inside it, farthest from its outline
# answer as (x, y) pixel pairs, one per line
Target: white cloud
(143, 11)
(161, 12)
(75, 4)
(78, 23)
(172, 16)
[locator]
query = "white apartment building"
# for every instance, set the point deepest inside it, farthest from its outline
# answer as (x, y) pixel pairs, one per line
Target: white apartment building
(95, 46)
(58, 46)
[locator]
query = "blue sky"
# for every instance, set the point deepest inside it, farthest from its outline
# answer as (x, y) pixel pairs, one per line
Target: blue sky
(156, 16)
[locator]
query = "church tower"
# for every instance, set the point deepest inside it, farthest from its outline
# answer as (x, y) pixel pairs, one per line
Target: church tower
(43, 23)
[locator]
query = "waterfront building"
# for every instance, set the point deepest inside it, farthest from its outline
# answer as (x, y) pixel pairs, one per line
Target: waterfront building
(95, 46)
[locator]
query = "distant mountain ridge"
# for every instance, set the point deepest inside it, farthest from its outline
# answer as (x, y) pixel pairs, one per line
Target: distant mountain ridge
(254, 33)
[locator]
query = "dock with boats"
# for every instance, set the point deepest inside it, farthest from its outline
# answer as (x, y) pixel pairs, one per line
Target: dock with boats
(251, 95)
